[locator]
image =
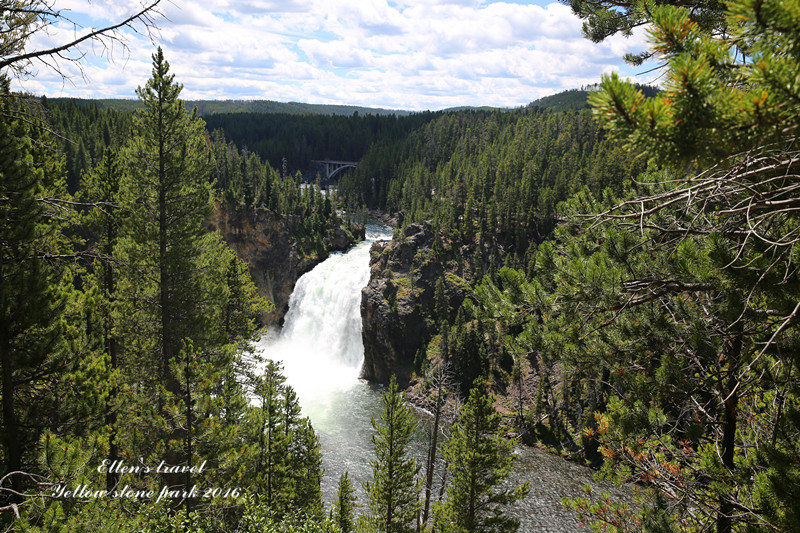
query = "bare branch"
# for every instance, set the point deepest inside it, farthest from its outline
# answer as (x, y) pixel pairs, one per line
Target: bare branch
(14, 58)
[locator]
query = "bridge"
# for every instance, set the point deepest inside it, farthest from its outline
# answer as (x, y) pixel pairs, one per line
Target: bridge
(334, 167)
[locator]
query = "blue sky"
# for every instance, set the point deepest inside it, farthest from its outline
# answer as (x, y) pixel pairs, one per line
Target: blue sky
(406, 54)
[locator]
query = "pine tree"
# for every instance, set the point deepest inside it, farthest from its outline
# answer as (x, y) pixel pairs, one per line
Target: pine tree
(168, 195)
(102, 221)
(393, 494)
(32, 297)
(603, 19)
(181, 285)
(728, 114)
(480, 459)
(441, 301)
(343, 512)
(284, 461)
(272, 437)
(305, 468)
(440, 386)
(725, 93)
(240, 310)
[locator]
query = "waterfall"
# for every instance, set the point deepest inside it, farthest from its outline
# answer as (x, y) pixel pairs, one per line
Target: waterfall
(321, 350)
(320, 345)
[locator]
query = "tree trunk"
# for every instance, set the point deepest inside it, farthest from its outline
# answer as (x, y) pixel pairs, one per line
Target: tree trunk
(13, 450)
(189, 427)
(730, 403)
(430, 466)
(112, 348)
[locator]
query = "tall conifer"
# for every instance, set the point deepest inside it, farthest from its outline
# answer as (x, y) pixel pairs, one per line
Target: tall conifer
(393, 495)
(343, 512)
(175, 289)
(168, 195)
(480, 459)
(29, 304)
(102, 222)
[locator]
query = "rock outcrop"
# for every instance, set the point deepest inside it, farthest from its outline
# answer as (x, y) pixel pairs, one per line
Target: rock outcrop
(267, 243)
(398, 307)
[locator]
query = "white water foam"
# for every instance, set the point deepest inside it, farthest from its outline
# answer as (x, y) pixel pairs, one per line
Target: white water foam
(320, 345)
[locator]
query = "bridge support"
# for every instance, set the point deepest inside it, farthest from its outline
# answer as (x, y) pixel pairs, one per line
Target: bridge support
(334, 167)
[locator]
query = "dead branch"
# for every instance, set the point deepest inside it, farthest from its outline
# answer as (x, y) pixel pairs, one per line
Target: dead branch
(40, 15)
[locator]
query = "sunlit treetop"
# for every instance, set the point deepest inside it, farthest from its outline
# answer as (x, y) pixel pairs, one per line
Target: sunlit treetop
(604, 18)
(727, 88)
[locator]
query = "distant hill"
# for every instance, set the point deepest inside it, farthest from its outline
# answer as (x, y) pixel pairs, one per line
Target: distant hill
(475, 108)
(213, 107)
(571, 99)
(577, 98)
(563, 101)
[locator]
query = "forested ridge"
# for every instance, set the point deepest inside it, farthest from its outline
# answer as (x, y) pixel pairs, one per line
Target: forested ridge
(127, 326)
(210, 107)
(240, 177)
(294, 141)
(287, 142)
(494, 176)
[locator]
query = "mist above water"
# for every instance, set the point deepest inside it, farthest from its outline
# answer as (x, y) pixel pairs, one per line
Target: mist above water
(321, 349)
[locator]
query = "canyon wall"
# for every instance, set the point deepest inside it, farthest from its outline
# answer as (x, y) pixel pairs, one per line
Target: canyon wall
(273, 247)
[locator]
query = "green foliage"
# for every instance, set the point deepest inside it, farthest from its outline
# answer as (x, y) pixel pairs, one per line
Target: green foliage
(240, 177)
(167, 195)
(305, 465)
(259, 518)
(723, 94)
(212, 107)
(284, 452)
(572, 99)
(35, 294)
(343, 512)
(86, 132)
(729, 113)
(393, 493)
(124, 324)
(493, 178)
(441, 302)
(87, 517)
(577, 99)
(295, 140)
(466, 351)
(676, 330)
(479, 459)
(603, 19)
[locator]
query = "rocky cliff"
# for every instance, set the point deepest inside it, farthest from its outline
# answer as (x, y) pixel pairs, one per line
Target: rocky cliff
(399, 308)
(270, 245)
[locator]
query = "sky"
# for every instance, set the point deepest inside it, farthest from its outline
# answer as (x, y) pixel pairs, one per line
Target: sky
(405, 54)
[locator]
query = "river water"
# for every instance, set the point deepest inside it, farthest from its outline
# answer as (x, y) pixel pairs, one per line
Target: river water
(321, 349)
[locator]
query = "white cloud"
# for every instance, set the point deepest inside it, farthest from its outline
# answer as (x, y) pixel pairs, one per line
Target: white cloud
(413, 54)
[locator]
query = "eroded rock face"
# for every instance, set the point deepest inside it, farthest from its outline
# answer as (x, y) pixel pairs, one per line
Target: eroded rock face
(397, 305)
(276, 260)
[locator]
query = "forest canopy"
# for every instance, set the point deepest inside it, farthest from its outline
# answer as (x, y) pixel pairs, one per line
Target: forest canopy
(617, 283)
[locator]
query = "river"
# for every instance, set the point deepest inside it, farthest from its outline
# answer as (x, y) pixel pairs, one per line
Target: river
(322, 351)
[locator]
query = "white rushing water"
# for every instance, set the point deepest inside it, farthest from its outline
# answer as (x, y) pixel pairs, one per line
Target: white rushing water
(321, 350)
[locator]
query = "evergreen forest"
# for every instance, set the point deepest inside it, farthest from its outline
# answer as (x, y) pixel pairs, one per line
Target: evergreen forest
(612, 276)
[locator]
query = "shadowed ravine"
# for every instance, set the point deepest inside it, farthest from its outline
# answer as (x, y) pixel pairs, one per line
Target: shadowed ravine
(321, 349)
